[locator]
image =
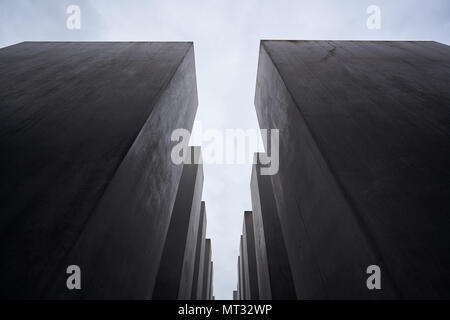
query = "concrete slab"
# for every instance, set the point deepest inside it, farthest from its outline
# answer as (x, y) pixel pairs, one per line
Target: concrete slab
(242, 254)
(197, 284)
(363, 163)
(85, 164)
(176, 269)
(274, 272)
(250, 266)
(211, 282)
(239, 286)
(207, 270)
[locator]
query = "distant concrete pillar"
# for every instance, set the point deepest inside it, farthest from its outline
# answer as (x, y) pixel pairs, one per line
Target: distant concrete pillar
(197, 284)
(207, 270)
(242, 269)
(176, 269)
(250, 267)
(239, 290)
(274, 272)
(211, 285)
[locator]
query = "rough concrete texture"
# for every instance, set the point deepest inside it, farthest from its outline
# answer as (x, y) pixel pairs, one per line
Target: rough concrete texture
(250, 267)
(239, 284)
(207, 271)
(364, 153)
(176, 269)
(211, 282)
(274, 273)
(197, 284)
(85, 164)
(242, 254)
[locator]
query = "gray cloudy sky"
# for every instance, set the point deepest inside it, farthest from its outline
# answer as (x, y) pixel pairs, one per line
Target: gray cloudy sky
(226, 36)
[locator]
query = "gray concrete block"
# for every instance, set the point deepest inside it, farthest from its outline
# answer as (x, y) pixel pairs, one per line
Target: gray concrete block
(207, 270)
(250, 267)
(239, 286)
(197, 284)
(85, 163)
(363, 156)
(211, 282)
(176, 268)
(244, 281)
(274, 272)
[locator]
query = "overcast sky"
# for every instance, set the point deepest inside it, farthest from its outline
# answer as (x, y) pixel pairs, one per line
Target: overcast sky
(226, 38)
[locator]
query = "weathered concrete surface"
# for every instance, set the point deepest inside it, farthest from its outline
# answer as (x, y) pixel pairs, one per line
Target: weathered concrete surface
(176, 269)
(364, 153)
(250, 267)
(206, 270)
(197, 284)
(245, 277)
(274, 272)
(239, 284)
(211, 282)
(85, 163)
(242, 254)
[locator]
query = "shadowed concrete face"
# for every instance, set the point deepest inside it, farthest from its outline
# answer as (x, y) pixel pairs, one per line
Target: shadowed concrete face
(274, 272)
(239, 284)
(250, 266)
(85, 164)
(207, 271)
(243, 287)
(197, 284)
(363, 163)
(177, 266)
(211, 286)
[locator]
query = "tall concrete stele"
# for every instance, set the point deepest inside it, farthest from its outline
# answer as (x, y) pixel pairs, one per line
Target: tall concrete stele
(363, 176)
(185, 269)
(86, 173)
